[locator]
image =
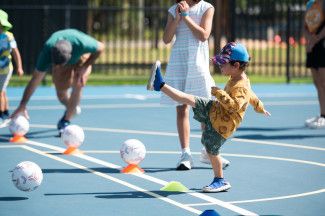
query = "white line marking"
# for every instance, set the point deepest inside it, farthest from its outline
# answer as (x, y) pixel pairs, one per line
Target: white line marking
(99, 106)
(283, 197)
(276, 158)
(11, 146)
(149, 96)
(278, 144)
(266, 199)
(159, 133)
(161, 182)
(94, 97)
(198, 153)
(116, 180)
(155, 105)
(290, 103)
(149, 178)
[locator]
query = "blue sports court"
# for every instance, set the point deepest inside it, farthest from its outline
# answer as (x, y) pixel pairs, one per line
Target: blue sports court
(277, 164)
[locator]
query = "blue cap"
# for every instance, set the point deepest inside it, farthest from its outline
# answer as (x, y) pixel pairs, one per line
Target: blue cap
(232, 52)
(309, 4)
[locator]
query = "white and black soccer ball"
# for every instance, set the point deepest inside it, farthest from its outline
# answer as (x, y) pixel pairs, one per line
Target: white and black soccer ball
(73, 136)
(19, 126)
(133, 151)
(27, 176)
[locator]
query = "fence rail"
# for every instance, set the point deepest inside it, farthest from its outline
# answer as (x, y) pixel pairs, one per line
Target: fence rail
(272, 31)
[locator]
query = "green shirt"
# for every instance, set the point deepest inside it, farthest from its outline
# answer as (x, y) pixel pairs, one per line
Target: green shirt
(81, 44)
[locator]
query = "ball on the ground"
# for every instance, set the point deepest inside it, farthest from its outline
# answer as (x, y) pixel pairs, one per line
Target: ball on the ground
(19, 126)
(73, 136)
(27, 176)
(133, 151)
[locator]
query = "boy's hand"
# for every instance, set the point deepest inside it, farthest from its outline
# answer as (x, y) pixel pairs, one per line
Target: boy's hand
(21, 110)
(214, 89)
(266, 113)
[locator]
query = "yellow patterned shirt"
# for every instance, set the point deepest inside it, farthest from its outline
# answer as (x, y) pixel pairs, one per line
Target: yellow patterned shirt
(7, 43)
(228, 111)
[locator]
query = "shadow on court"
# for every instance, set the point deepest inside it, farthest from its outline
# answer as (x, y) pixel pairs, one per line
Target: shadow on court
(169, 169)
(280, 137)
(42, 134)
(118, 195)
(97, 169)
(12, 198)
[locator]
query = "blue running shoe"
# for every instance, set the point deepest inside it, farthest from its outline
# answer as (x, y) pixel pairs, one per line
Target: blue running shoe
(217, 185)
(156, 80)
(62, 124)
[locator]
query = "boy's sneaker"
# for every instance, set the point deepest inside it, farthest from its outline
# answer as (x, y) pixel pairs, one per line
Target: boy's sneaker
(217, 185)
(185, 163)
(318, 122)
(78, 110)
(156, 80)
(62, 124)
(310, 120)
(204, 158)
(5, 122)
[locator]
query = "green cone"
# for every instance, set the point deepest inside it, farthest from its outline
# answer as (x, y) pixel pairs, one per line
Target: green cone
(174, 186)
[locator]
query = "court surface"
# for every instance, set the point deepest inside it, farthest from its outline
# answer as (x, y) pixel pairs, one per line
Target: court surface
(277, 165)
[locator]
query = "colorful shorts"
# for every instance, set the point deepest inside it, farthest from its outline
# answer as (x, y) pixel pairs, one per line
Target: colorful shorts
(211, 139)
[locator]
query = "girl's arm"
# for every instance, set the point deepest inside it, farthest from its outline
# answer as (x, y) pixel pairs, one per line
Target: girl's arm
(202, 31)
(171, 26)
(17, 58)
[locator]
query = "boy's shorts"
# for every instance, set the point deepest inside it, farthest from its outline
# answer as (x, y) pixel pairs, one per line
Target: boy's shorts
(211, 139)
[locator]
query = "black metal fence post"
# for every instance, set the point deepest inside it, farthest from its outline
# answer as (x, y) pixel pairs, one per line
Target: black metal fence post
(67, 16)
(288, 75)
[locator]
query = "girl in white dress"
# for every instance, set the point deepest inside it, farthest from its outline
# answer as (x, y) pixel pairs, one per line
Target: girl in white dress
(188, 67)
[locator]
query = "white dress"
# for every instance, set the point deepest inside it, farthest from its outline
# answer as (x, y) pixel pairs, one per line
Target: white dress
(188, 66)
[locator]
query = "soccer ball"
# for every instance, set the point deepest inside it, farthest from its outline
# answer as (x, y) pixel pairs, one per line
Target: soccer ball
(133, 151)
(19, 126)
(73, 136)
(27, 176)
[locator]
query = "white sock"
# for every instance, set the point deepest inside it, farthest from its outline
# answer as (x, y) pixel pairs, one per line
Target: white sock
(186, 150)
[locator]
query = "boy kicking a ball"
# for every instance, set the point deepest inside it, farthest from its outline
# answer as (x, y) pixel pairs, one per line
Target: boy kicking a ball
(221, 116)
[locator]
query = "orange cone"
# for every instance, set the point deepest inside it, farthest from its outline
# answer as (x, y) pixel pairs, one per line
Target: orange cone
(18, 139)
(72, 150)
(132, 168)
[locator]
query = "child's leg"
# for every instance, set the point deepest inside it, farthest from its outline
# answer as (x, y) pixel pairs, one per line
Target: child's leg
(6, 105)
(178, 96)
(156, 82)
(216, 164)
(218, 184)
(2, 104)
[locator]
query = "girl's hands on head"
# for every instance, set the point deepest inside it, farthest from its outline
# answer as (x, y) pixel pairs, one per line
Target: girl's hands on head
(183, 6)
(178, 14)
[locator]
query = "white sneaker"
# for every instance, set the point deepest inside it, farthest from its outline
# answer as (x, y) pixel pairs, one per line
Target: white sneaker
(318, 123)
(5, 123)
(205, 159)
(78, 110)
(185, 163)
(308, 121)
